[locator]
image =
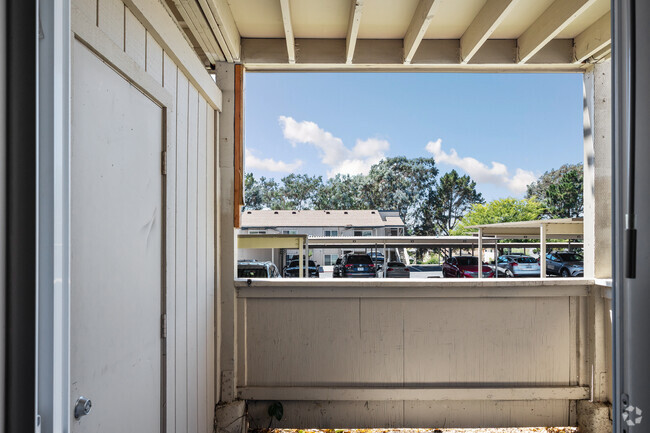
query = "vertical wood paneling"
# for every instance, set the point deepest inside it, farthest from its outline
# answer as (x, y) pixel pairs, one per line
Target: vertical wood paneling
(170, 80)
(181, 254)
(192, 246)
(135, 39)
(202, 287)
(191, 299)
(216, 260)
(88, 8)
(110, 18)
(211, 247)
(154, 58)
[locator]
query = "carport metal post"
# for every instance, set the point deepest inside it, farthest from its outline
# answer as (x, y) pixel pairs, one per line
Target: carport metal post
(480, 252)
(496, 256)
(383, 268)
(301, 251)
(307, 255)
(542, 250)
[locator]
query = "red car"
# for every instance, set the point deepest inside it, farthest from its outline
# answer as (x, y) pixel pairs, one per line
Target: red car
(464, 267)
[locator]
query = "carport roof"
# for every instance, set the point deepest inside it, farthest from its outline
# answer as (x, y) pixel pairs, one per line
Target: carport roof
(563, 228)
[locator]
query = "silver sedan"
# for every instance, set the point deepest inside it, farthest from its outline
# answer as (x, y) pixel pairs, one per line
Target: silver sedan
(397, 270)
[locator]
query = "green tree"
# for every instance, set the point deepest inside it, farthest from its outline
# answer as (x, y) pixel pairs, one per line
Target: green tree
(342, 192)
(298, 191)
(447, 204)
(560, 190)
(259, 193)
(500, 211)
(402, 184)
(564, 199)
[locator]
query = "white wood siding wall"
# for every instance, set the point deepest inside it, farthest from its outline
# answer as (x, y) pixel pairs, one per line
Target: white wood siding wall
(109, 27)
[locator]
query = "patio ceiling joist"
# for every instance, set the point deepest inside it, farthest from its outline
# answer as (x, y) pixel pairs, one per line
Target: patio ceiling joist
(288, 30)
(554, 19)
(413, 35)
(386, 55)
(485, 23)
(594, 39)
(418, 27)
(224, 26)
(199, 28)
(353, 29)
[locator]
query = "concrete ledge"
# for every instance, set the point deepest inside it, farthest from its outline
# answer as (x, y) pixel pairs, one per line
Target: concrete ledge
(412, 288)
(231, 417)
(593, 417)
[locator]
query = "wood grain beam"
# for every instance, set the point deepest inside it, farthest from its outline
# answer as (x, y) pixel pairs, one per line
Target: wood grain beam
(288, 30)
(482, 27)
(553, 20)
(419, 24)
(353, 29)
(594, 39)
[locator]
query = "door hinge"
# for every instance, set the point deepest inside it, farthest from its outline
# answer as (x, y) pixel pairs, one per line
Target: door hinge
(163, 326)
(163, 162)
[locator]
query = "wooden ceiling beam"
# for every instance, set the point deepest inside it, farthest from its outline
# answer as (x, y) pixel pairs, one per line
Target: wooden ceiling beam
(484, 24)
(594, 39)
(553, 20)
(288, 30)
(418, 27)
(353, 30)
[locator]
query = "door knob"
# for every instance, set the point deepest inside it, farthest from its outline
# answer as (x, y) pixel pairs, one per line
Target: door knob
(82, 407)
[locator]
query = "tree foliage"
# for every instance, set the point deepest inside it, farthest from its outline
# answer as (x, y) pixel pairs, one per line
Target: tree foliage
(503, 210)
(560, 191)
(410, 186)
(453, 197)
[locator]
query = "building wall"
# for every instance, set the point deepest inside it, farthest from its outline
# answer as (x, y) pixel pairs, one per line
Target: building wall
(316, 254)
(139, 39)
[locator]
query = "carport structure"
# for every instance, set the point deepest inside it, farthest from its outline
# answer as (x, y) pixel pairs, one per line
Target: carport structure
(564, 228)
(139, 186)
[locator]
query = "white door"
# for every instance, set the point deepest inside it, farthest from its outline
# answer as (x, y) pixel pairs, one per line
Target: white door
(116, 246)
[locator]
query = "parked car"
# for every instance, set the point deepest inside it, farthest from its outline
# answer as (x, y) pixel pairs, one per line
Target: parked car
(518, 265)
(377, 258)
(292, 270)
(356, 266)
(256, 269)
(426, 271)
(397, 270)
(565, 264)
(465, 267)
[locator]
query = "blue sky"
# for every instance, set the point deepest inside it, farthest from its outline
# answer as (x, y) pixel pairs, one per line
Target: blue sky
(502, 129)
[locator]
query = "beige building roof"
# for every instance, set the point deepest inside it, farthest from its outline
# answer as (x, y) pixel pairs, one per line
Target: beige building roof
(320, 218)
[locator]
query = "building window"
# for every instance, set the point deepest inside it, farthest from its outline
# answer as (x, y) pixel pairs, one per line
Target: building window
(330, 259)
(331, 232)
(394, 232)
(257, 232)
(363, 232)
(289, 232)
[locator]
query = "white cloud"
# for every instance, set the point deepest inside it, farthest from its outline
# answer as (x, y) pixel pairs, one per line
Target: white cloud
(332, 151)
(497, 174)
(269, 164)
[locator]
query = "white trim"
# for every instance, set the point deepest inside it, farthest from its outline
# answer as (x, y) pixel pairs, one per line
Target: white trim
(340, 288)
(53, 393)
